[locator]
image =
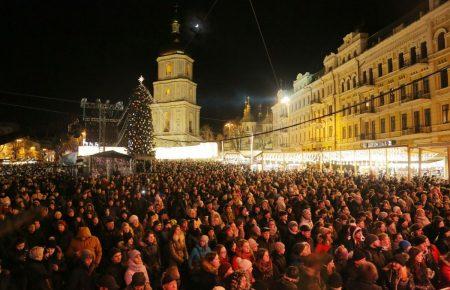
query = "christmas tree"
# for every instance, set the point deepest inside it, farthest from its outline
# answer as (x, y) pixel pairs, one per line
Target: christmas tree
(140, 125)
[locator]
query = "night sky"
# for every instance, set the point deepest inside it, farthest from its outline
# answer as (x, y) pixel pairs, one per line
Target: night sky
(92, 48)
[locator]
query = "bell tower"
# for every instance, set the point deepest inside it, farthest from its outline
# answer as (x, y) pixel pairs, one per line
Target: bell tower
(176, 115)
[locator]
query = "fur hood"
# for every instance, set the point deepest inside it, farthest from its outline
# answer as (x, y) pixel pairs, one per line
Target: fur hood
(208, 267)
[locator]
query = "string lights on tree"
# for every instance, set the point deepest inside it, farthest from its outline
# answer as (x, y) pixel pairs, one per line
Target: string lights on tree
(140, 126)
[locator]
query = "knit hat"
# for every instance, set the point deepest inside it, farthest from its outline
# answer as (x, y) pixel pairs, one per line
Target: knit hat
(415, 227)
(292, 224)
(279, 246)
(358, 255)
(133, 253)
(404, 245)
(51, 243)
(335, 280)
(138, 279)
(37, 253)
(244, 264)
(86, 254)
(418, 240)
(252, 243)
(399, 258)
(305, 228)
(108, 219)
(370, 239)
(108, 281)
(167, 278)
(113, 251)
(265, 229)
(223, 269)
(133, 218)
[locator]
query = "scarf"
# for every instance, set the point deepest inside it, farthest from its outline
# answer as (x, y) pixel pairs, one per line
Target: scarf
(265, 268)
(133, 267)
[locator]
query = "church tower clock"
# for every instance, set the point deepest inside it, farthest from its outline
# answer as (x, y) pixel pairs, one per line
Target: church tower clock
(176, 115)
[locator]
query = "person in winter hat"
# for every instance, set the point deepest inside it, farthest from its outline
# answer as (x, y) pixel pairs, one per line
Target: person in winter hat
(107, 282)
(37, 276)
(85, 241)
(135, 265)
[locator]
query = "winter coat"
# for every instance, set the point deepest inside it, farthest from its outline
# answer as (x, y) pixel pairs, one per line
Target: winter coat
(310, 280)
(279, 264)
(177, 253)
(207, 277)
(390, 280)
(81, 278)
(63, 239)
(376, 257)
(118, 272)
(366, 285)
(84, 240)
(37, 276)
(134, 268)
(445, 275)
(196, 255)
(284, 284)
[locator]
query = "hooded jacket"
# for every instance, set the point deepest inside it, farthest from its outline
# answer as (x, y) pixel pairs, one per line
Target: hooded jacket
(84, 240)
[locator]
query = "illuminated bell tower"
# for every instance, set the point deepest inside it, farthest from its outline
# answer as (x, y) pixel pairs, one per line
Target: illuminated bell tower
(176, 115)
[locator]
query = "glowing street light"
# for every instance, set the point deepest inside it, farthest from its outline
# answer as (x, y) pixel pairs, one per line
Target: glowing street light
(285, 100)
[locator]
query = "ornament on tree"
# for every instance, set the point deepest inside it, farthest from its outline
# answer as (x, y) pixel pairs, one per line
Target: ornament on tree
(140, 125)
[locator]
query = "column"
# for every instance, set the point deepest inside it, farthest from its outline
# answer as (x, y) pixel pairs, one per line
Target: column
(409, 163)
(420, 162)
(448, 163)
(320, 161)
(370, 161)
(251, 150)
(386, 161)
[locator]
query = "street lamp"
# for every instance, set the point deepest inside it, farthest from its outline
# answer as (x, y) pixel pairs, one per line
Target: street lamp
(285, 100)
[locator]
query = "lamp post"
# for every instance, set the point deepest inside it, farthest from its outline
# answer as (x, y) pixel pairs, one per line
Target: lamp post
(285, 100)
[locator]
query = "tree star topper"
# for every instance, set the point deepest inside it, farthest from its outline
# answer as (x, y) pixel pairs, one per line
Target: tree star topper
(141, 79)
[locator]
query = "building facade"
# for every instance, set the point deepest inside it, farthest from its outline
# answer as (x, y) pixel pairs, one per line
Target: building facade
(250, 124)
(175, 113)
(391, 88)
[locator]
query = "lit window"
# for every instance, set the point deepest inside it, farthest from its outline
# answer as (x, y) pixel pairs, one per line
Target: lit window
(168, 69)
(167, 91)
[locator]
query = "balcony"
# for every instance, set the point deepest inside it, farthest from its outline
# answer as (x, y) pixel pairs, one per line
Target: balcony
(365, 85)
(367, 110)
(315, 102)
(417, 130)
(367, 136)
(417, 61)
(420, 95)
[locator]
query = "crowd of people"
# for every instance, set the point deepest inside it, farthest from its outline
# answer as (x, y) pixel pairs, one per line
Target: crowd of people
(192, 225)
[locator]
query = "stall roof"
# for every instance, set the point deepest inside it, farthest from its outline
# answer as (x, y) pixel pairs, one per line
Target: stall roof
(111, 154)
